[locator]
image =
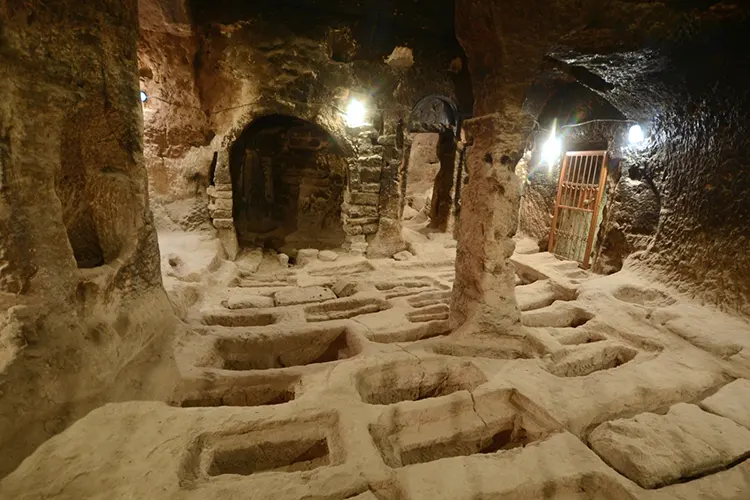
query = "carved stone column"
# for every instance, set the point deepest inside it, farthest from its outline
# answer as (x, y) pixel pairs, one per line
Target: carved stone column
(483, 293)
(220, 206)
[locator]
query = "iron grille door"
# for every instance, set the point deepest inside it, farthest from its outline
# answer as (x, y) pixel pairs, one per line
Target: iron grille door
(579, 195)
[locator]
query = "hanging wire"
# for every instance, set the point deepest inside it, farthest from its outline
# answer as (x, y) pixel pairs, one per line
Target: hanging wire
(573, 125)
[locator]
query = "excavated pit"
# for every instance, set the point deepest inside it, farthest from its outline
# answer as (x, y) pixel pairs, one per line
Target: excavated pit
(284, 456)
(592, 358)
(284, 351)
(577, 337)
(343, 309)
(258, 395)
(344, 269)
(505, 438)
(415, 382)
(559, 314)
(406, 287)
(437, 312)
(430, 299)
(643, 296)
(475, 424)
(230, 318)
(501, 348)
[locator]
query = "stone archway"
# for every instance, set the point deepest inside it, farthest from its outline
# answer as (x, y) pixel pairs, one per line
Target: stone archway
(433, 125)
(288, 178)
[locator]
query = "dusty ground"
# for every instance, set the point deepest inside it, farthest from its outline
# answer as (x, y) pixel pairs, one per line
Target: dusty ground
(339, 379)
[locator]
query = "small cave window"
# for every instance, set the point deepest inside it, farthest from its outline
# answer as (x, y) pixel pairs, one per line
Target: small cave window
(288, 181)
(342, 47)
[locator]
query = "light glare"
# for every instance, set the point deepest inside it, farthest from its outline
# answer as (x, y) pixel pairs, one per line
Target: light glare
(355, 113)
(551, 149)
(144, 96)
(635, 135)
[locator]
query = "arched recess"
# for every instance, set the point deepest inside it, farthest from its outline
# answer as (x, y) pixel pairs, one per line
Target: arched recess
(429, 180)
(433, 114)
(288, 179)
(95, 185)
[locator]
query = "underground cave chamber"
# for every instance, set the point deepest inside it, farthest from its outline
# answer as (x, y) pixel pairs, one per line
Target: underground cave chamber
(367, 250)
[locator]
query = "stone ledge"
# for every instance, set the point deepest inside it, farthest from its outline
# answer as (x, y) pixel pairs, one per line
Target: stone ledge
(370, 199)
(370, 187)
(358, 211)
(223, 223)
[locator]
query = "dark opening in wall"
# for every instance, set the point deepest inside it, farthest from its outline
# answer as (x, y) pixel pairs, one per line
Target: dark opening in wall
(288, 178)
(212, 169)
(71, 187)
(97, 183)
(76, 208)
(342, 47)
(431, 166)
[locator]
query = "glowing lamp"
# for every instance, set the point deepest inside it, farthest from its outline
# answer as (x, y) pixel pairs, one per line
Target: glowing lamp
(635, 135)
(552, 149)
(144, 96)
(355, 113)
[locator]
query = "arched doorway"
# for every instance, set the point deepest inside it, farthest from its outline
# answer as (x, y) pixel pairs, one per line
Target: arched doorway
(431, 166)
(288, 178)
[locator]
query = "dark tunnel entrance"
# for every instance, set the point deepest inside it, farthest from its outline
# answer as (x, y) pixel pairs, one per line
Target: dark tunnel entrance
(288, 178)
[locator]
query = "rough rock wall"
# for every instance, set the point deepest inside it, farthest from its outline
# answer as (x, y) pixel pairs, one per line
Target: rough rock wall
(306, 60)
(83, 316)
(655, 62)
(694, 106)
(177, 134)
(700, 168)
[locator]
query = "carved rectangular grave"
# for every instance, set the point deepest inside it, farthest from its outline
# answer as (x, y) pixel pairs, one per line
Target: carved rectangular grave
(244, 318)
(264, 352)
(285, 456)
(437, 312)
(578, 337)
(344, 269)
(344, 309)
(559, 315)
(495, 423)
(590, 358)
(412, 381)
(281, 447)
(237, 395)
(403, 287)
(430, 299)
(507, 347)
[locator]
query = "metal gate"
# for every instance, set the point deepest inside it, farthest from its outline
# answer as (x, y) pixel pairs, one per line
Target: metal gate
(579, 196)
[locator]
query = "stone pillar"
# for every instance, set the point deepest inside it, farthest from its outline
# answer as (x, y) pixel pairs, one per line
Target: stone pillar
(483, 294)
(220, 206)
(389, 240)
(404, 171)
(360, 212)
